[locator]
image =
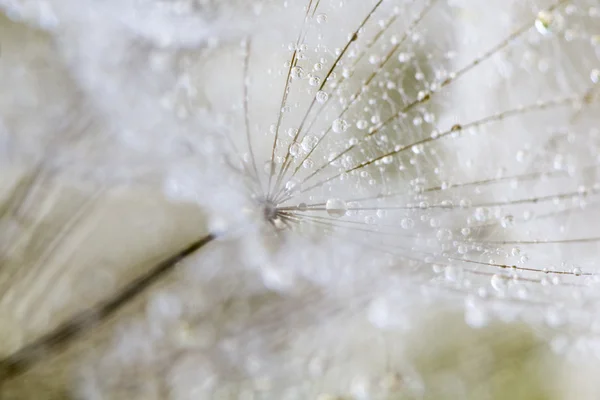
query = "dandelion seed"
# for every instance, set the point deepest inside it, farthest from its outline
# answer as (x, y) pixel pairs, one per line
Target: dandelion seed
(433, 167)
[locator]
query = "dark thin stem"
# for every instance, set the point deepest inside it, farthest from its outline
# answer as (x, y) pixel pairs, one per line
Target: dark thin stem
(51, 343)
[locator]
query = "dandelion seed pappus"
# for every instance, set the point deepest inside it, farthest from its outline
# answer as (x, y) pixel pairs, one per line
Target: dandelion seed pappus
(319, 176)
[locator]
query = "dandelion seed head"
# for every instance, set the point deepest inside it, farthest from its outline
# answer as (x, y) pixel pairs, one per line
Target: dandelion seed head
(360, 164)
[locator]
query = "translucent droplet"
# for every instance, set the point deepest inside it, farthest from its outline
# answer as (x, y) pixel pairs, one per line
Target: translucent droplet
(292, 185)
(403, 57)
(453, 274)
(268, 166)
(339, 125)
(297, 73)
(309, 142)
(369, 219)
(407, 223)
(322, 96)
(547, 23)
(507, 221)
(361, 124)
(595, 75)
(577, 271)
(314, 81)
(336, 207)
(444, 234)
(321, 18)
(294, 149)
(498, 283)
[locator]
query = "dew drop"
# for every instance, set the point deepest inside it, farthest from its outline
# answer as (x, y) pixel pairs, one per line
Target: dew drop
(407, 223)
(314, 81)
(322, 96)
(547, 23)
(498, 283)
(294, 149)
(403, 57)
(507, 221)
(339, 125)
(297, 73)
(309, 142)
(595, 75)
(321, 18)
(336, 207)
(268, 166)
(361, 124)
(369, 219)
(292, 185)
(453, 274)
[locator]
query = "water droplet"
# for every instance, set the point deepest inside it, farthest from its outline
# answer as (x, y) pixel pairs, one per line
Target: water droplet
(297, 73)
(321, 18)
(336, 207)
(595, 75)
(577, 271)
(268, 165)
(309, 142)
(507, 221)
(339, 125)
(403, 57)
(444, 234)
(407, 223)
(453, 274)
(498, 283)
(547, 23)
(361, 124)
(314, 81)
(292, 185)
(322, 96)
(387, 160)
(294, 149)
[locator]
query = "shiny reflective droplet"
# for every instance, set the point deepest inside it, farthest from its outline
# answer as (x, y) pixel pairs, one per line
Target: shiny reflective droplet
(309, 142)
(507, 221)
(339, 125)
(321, 18)
(547, 23)
(292, 185)
(297, 73)
(498, 283)
(595, 75)
(336, 207)
(294, 149)
(361, 124)
(407, 223)
(453, 274)
(322, 96)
